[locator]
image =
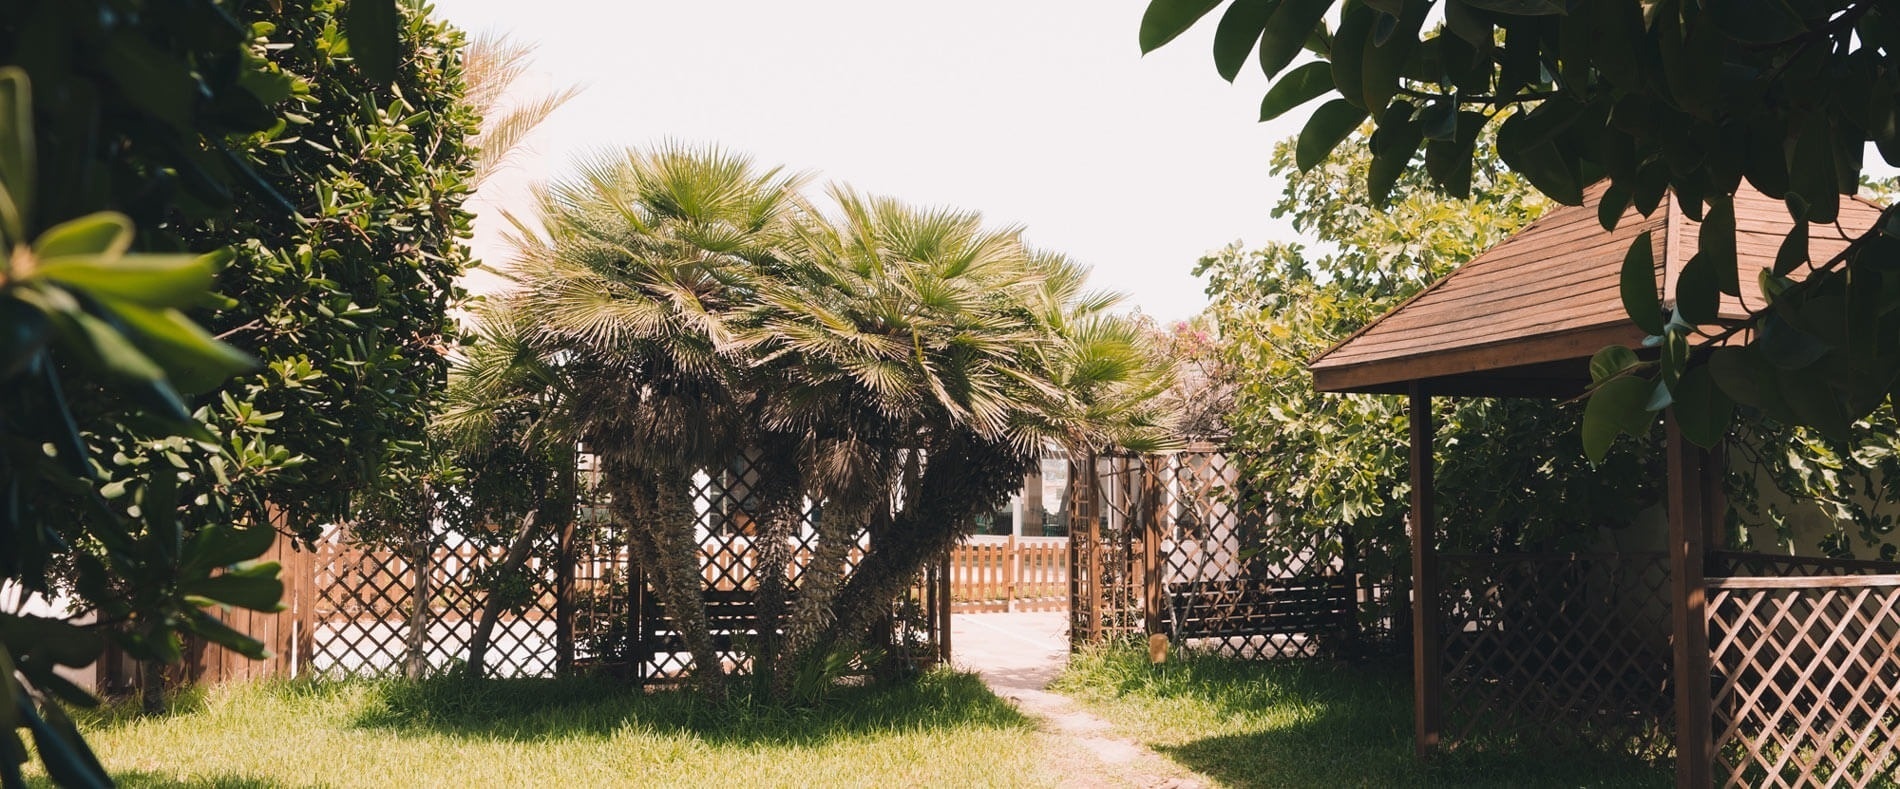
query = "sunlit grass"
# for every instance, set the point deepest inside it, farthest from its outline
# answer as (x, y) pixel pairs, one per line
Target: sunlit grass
(944, 730)
(1301, 724)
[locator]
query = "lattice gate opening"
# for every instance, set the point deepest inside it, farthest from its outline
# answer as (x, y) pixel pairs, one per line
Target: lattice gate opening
(1168, 544)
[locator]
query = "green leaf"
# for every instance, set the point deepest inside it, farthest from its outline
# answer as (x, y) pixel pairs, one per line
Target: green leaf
(1449, 163)
(1287, 31)
(1611, 361)
(1439, 120)
(223, 635)
(1297, 87)
(1325, 130)
(17, 157)
(1519, 7)
(1349, 53)
(67, 759)
(1638, 285)
(1614, 203)
(1811, 170)
(1539, 160)
(373, 28)
(1386, 53)
(1716, 241)
(1794, 249)
(155, 281)
(258, 590)
(1615, 407)
(106, 234)
(1393, 145)
(1698, 290)
(219, 545)
(24, 332)
(112, 351)
(1756, 21)
(1234, 38)
(55, 641)
(1703, 411)
(194, 361)
(1787, 347)
(152, 79)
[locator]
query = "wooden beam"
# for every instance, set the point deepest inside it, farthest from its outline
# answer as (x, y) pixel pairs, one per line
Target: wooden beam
(1427, 677)
(1475, 360)
(1690, 524)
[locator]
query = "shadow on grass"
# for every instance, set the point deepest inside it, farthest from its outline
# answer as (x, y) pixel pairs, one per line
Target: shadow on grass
(136, 779)
(531, 709)
(1318, 724)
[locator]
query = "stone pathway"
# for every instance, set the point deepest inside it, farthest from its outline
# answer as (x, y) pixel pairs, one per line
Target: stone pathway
(1018, 655)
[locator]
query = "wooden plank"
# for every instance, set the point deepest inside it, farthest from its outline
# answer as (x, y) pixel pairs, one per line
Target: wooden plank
(1804, 582)
(1427, 683)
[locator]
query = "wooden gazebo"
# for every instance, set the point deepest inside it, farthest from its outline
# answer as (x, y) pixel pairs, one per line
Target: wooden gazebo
(1778, 680)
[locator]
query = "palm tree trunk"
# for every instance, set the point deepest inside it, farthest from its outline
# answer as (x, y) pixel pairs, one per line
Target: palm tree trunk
(781, 514)
(511, 564)
(954, 486)
(683, 592)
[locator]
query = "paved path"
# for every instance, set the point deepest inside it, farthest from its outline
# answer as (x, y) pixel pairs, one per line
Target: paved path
(1018, 655)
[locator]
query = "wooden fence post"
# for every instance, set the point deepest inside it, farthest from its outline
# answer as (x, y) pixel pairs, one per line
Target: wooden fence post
(1009, 575)
(1154, 517)
(943, 608)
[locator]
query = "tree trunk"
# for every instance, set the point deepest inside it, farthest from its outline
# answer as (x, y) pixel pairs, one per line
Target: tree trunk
(511, 564)
(677, 542)
(152, 687)
(422, 564)
(957, 481)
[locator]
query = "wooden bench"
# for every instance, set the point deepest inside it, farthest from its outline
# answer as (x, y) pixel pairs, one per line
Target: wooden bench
(1261, 607)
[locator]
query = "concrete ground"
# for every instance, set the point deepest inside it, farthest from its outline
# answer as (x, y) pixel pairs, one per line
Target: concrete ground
(1018, 655)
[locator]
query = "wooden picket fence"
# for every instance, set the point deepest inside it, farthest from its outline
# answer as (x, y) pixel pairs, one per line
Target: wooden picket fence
(990, 575)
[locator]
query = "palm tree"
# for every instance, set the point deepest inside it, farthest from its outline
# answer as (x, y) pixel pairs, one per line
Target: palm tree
(920, 335)
(635, 286)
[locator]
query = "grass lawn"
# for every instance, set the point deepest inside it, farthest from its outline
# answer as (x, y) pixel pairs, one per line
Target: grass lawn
(944, 730)
(1295, 724)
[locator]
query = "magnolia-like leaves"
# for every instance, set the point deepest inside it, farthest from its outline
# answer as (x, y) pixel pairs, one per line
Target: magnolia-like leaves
(1166, 19)
(1297, 87)
(1638, 285)
(1328, 127)
(1235, 37)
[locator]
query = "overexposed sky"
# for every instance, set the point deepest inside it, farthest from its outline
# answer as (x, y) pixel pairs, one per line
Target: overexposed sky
(1039, 113)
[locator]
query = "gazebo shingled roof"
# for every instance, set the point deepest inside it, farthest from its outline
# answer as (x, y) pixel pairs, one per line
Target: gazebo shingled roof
(1524, 317)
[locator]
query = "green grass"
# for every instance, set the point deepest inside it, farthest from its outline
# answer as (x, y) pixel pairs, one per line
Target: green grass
(1302, 724)
(945, 729)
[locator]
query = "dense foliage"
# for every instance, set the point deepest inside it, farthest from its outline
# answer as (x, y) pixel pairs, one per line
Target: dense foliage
(131, 470)
(896, 368)
(1509, 475)
(1662, 97)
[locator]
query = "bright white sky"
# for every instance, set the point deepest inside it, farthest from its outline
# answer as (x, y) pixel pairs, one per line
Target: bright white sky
(1039, 113)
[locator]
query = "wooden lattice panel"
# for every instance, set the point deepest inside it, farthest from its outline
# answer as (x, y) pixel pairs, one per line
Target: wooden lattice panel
(1229, 588)
(1569, 649)
(1806, 680)
(1107, 515)
(364, 601)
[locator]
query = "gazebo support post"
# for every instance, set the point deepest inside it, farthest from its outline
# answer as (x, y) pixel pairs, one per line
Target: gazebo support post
(1690, 521)
(1427, 678)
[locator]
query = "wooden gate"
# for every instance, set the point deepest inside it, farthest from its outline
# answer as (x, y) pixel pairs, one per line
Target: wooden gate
(1165, 544)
